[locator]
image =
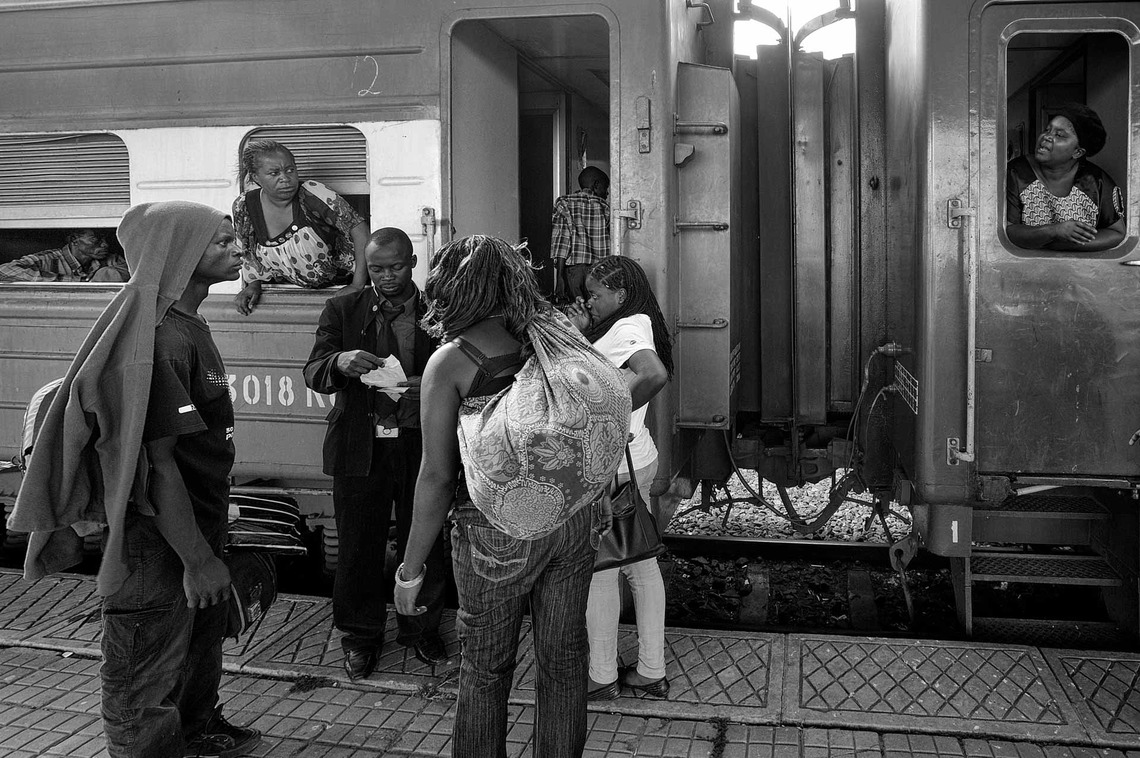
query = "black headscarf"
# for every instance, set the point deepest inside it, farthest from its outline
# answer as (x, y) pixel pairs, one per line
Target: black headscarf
(1090, 131)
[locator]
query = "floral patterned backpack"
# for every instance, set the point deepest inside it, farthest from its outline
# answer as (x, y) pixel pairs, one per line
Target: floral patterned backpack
(547, 445)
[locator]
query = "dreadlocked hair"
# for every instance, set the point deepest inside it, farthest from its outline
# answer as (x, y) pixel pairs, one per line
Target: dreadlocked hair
(615, 273)
(476, 277)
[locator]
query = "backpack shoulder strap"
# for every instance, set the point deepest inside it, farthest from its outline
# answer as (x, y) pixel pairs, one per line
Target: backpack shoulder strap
(487, 380)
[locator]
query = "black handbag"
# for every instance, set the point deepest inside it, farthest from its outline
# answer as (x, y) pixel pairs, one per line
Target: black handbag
(253, 588)
(633, 536)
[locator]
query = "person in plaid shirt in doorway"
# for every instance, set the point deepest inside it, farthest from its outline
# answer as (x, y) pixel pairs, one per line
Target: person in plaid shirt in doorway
(581, 234)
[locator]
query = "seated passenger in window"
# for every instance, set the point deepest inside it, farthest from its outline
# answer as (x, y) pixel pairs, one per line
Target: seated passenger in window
(1056, 198)
(293, 231)
(85, 258)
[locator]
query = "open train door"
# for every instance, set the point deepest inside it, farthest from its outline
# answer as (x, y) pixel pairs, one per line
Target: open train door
(708, 292)
(1057, 349)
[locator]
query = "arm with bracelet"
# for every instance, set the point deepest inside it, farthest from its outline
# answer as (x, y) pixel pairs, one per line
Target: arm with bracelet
(439, 468)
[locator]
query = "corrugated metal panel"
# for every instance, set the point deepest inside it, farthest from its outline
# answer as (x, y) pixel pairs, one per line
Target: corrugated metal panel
(64, 169)
(333, 155)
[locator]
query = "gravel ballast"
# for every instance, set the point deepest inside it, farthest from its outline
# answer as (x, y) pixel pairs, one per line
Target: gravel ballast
(848, 524)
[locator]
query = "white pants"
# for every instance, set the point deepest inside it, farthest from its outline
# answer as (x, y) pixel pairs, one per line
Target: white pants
(604, 608)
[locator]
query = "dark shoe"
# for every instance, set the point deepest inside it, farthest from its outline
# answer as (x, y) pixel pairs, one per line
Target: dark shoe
(221, 739)
(656, 688)
(431, 650)
(359, 664)
(605, 692)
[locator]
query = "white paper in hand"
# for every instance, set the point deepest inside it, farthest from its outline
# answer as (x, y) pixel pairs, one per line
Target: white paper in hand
(386, 377)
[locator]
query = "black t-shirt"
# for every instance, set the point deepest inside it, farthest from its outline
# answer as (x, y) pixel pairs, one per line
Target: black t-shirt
(190, 400)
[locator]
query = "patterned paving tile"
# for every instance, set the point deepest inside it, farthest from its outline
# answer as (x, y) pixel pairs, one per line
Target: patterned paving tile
(311, 646)
(841, 743)
(925, 686)
(1105, 688)
(710, 674)
(57, 608)
(63, 612)
(748, 741)
(280, 619)
(922, 746)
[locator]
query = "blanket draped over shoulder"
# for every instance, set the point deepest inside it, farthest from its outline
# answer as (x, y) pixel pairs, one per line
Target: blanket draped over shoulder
(83, 468)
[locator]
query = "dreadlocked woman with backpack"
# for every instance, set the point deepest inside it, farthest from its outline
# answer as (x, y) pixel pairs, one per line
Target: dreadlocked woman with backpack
(538, 421)
(623, 321)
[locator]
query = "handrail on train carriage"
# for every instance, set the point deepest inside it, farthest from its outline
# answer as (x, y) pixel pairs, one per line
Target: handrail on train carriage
(705, 9)
(957, 210)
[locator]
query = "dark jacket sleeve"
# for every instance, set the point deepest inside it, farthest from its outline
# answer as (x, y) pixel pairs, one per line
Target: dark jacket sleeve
(320, 370)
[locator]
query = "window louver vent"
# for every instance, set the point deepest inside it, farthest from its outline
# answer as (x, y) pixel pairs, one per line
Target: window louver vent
(332, 155)
(64, 170)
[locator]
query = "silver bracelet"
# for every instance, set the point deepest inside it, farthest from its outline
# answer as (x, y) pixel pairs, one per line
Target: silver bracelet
(409, 583)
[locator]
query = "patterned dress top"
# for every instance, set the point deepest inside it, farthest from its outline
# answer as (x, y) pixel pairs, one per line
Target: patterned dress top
(314, 251)
(1094, 199)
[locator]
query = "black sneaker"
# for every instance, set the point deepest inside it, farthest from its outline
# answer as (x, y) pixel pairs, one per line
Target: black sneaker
(221, 739)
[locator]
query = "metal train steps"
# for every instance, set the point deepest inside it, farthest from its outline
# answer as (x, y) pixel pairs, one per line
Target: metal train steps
(990, 566)
(1040, 520)
(1088, 570)
(1067, 529)
(1084, 635)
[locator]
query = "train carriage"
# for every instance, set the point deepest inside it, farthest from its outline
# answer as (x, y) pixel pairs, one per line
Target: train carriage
(827, 237)
(440, 119)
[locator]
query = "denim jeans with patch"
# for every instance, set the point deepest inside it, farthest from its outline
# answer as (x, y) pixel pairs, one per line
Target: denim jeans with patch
(498, 577)
(162, 661)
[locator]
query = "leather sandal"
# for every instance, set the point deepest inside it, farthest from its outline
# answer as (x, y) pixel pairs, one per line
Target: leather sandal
(605, 692)
(658, 688)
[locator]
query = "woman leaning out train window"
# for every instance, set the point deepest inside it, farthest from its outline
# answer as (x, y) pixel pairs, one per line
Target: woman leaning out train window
(1056, 198)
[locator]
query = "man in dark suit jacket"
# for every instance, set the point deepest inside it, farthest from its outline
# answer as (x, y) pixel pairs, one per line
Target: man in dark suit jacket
(372, 450)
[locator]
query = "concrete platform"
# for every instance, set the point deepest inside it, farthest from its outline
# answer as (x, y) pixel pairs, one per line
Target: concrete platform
(733, 695)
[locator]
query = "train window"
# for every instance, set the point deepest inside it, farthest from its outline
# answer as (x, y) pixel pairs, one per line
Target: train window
(61, 195)
(1067, 135)
(336, 156)
(79, 254)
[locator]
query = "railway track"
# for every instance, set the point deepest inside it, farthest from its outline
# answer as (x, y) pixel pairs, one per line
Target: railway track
(764, 584)
(870, 553)
(836, 587)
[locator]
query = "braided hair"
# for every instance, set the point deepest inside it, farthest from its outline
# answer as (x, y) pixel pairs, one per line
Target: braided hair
(616, 273)
(253, 151)
(476, 277)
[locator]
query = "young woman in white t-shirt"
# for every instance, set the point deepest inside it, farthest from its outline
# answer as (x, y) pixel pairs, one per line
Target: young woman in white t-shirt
(623, 321)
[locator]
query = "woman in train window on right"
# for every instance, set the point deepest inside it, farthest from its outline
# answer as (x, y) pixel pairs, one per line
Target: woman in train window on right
(624, 322)
(1056, 198)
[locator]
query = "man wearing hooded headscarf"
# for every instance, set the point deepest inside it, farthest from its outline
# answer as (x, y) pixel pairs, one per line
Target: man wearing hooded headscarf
(139, 438)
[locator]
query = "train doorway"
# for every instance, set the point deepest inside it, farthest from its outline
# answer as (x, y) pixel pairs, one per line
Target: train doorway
(529, 108)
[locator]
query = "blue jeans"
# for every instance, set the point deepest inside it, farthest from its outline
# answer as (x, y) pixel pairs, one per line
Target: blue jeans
(497, 576)
(363, 507)
(162, 661)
